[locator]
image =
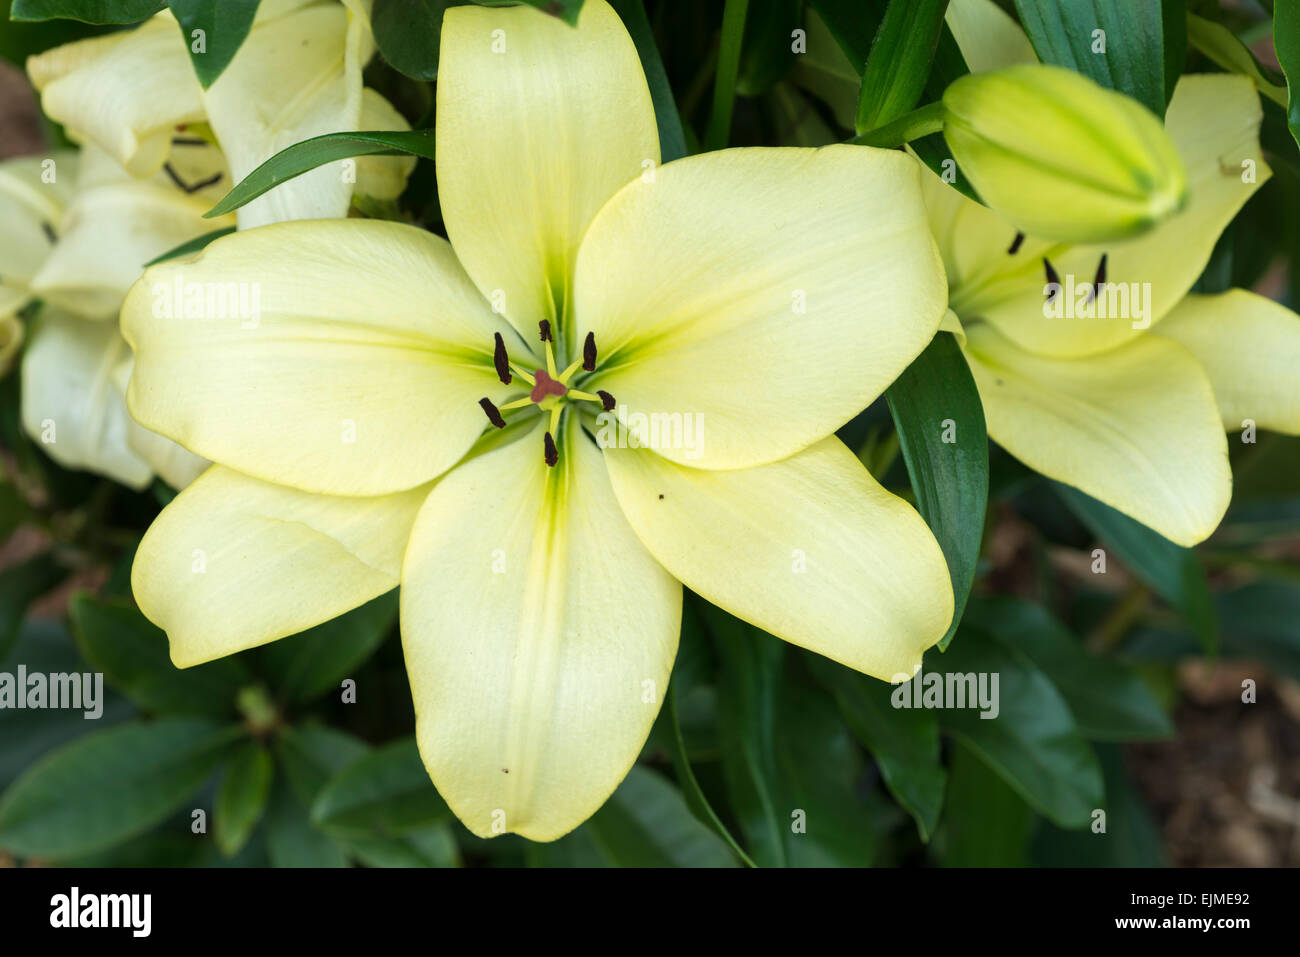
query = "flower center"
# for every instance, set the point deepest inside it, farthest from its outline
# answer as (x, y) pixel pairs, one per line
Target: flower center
(550, 390)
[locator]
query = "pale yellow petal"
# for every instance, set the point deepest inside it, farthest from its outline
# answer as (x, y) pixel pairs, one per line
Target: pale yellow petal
(810, 549)
(539, 635)
(1136, 427)
(1250, 348)
(71, 405)
(336, 356)
(538, 124)
(175, 465)
(770, 293)
(987, 36)
(34, 191)
(382, 177)
(233, 562)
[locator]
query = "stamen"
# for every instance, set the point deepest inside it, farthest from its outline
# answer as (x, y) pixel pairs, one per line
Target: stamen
(519, 371)
(1052, 278)
(545, 327)
(492, 412)
(589, 352)
(49, 231)
(1015, 244)
(517, 403)
(1101, 272)
(573, 367)
(501, 360)
(606, 400)
(548, 446)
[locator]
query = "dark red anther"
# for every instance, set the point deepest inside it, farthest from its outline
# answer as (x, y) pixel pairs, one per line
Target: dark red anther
(545, 327)
(589, 352)
(1015, 244)
(552, 456)
(492, 412)
(606, 400)
(501, 360)
(1052, 278)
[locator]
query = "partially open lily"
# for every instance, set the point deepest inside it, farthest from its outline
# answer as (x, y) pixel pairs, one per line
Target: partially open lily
(297, 75)
(1095, 365)
(405, 413)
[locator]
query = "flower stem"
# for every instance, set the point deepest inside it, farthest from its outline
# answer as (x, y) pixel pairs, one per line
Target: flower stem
(724, 86)
(910, 126)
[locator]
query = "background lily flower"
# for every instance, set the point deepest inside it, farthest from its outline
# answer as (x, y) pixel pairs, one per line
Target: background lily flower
(1131, 408)
(297, 75)
(356, 428)
(31, 207)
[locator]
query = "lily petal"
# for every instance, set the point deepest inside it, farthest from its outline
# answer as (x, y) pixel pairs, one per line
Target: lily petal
(1250, 348)
(989, 39)
(70, 401)
(811, 549)
(1136, 427)
(31, 210)
(538, 124)
(295, 77)
(126, 91)
(113, 226)
(809, 285)
(539, 635)
(233, 562)
(177, 466)
(382, 177)
(375, 321)
(1214, 122)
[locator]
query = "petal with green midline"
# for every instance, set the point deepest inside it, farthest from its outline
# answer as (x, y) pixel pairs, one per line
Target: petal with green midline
(1136, 427)
(233, 562)
(538, 124)
(71, 404)
(1214, 122)
(338, 356)
(539, 635)
(810, 549)
(771, 293)
(1250, 348)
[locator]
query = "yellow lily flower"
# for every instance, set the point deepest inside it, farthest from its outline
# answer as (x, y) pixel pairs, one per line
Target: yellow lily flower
(76, 365)
(33, 194)
(763, 295)
(297, 75)
(1095, 365)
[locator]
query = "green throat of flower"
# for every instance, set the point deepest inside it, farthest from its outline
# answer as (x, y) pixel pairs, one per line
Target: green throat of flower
(550, 391)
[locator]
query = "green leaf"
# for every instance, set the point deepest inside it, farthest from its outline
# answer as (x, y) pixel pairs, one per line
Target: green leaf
(45, 647)
(1286, 42)
(767, 50)
(1126, 55)
(1173, 572)
(110, 785)
(951, 479)
(224, 25)
(1173, 27)
(790, 765)
(718, 132)
(986, 824)
(898, 66)
(430, 847)
(385, 793)
(87, 11)
(20, 585)
(311, 754)
(1260, 623)
(1034, 743)
(132, 653)
(190, 246)
(291, 840)
(672, 139)
(1109, 702)
(407, 33)
(566, 10)
(692, 792)
(306, 156)
(904, 741)
(1223, 48)
(18, 41)
(241, 797)
(646, 823)
(315, 662)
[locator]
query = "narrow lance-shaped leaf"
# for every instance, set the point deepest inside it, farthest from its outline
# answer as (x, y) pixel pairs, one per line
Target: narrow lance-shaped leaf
(1286, 41)
(317, 151)
(672, 138)
(899, 63)
(87, 11)
(241, 797)
(190, 246)
(941, 429)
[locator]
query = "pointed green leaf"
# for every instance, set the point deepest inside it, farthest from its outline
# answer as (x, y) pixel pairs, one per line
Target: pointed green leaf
(384, 793)
(1286, 42)
(241, 797)
(898, 66)
(213, 31)
(87, 11)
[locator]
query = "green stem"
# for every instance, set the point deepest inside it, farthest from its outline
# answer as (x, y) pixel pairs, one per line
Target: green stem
(724, 86)
(911, 126)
